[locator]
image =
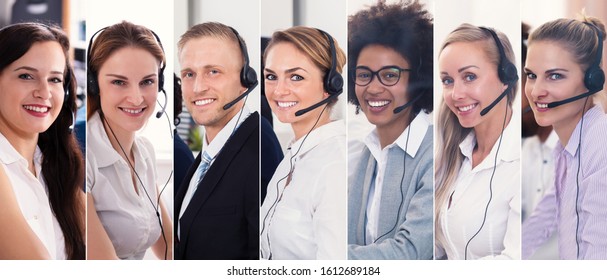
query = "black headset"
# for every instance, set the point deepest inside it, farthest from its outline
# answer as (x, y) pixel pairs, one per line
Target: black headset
(594, 78)
(506, 71)
(248, 76)
(333, 82)
(93, 82)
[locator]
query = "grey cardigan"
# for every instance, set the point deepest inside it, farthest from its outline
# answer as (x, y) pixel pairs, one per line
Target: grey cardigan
(411, 237)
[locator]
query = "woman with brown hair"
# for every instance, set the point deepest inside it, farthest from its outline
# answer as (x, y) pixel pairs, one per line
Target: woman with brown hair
(39, 156)
(125, 213)
(304, 212)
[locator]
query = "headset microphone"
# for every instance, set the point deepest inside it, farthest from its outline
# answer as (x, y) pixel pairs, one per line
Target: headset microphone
(594, 77)
(248, 76)
(333, 82)
(324, 101)
(506, 71)
(162, 107)
(497, 100)
(229, 105)
(403, 107)
(571, 99)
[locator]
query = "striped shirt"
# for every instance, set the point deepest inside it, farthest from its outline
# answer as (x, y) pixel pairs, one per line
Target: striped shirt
(557, 209)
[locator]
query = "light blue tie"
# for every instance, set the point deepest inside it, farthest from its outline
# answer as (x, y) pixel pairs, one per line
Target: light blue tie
(205, 163)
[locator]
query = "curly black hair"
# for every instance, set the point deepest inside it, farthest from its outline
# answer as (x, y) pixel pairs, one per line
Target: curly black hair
(405, 27)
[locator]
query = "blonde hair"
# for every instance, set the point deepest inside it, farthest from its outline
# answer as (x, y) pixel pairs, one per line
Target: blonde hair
(448, 156)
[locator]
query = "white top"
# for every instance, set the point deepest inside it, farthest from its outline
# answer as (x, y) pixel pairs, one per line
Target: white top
(537, 179)
(128, 218)
(418, 127)
(500, 237)
(537, 171)
(32, 197)
(308, 218)
(212, 149)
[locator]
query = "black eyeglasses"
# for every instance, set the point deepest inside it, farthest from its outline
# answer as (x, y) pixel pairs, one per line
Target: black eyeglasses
(387, 75)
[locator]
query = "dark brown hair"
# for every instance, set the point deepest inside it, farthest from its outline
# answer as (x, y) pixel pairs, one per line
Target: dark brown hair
(405, 27)
(111, 39)
(62, 163)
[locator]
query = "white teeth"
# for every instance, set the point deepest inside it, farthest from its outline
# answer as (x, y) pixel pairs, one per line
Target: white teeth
(466, 108)
(286, 104)
(203, 102)
(380, 103)
(130, 111)
(542, 105)
(36, 108)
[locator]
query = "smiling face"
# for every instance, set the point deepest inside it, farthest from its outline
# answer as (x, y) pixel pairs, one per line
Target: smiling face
(554, 75)
(210, 79)
(377, 100)
(31, 90)
(128, 87)
(470, 83)
(292, 83)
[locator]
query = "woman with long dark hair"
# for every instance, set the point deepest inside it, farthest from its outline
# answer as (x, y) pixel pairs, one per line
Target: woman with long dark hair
(39, 156)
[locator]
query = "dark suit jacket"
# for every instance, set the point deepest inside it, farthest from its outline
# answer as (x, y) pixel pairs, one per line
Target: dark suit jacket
(222, 219)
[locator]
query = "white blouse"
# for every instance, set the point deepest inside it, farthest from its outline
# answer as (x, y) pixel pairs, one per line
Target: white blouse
(129, 218)
(500, 237)
(307, 219)
(31, 194)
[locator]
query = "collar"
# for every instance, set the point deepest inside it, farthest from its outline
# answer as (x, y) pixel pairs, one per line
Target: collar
(9, 155)
(98, 141)
(316, 137)
(510, 147)
(552, 140)
(589, 117)
(418, 128)
(213, 148)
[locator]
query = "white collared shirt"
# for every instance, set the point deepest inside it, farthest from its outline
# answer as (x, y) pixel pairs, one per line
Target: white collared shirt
(212, 149)
(31, 195)
(129, 218)
(537, 171)
(418, 127)
(308, 218)
(500, 237)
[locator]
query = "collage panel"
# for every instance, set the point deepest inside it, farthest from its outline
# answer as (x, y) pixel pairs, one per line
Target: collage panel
(390, 130)
(477, 171)
(129, 129)
(563, 123)
(303, 214)
(41, 131)
(217, 202)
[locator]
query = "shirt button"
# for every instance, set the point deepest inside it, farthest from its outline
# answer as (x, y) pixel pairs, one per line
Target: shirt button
(35, 217)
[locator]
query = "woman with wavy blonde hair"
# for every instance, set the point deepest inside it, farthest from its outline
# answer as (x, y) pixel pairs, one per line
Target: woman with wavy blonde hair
(477, 206)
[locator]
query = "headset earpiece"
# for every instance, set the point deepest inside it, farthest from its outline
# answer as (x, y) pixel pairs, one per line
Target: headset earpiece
(594, 78)
(248, 76)
(91, 77)
(333, 82)
(506, 70)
